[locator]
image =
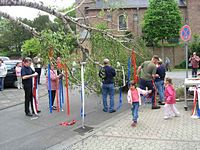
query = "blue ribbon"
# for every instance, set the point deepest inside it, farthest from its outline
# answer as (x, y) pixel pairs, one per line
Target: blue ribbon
(129, 71)
(61, 96)
(49, 88)
(120, 98)
(81, 105)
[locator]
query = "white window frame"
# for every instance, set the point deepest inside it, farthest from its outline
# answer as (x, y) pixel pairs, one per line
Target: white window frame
(126, 23)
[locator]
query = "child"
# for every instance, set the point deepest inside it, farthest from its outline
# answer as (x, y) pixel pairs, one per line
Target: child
(18, 74)
(134, 98)
(54, 83)
(170, 100)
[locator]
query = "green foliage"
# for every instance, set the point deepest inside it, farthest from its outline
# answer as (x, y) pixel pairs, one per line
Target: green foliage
(31, 47)
(12, 36)
(162, 21)
(181, 65)
(194, 45)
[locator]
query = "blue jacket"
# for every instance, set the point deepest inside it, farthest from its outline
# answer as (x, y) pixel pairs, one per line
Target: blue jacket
(161, 72)
(107, 75)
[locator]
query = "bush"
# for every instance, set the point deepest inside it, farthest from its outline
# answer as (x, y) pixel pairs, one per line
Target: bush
(181, 65)
(180, 92)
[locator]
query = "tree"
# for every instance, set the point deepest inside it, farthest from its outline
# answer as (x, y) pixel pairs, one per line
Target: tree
(162, 22)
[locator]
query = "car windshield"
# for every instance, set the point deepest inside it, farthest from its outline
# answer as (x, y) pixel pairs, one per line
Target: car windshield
(10, 65)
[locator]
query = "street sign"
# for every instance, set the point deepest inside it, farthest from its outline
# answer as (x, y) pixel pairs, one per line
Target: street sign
(185, 33)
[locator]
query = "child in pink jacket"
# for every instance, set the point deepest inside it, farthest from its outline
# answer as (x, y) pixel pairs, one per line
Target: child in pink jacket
(134, 99)
(170, 100)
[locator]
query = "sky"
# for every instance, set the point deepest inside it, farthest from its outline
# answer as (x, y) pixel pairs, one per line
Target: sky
(29, 13)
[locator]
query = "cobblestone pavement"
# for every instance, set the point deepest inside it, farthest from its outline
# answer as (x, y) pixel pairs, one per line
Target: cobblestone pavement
(152, 132)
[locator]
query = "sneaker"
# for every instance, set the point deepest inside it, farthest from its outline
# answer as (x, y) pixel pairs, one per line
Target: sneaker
(29, 114)
(155, 107)
(112, 111)
(177, 115)
(105, 110)
(133, 124)
(39, 111)
(166, 117)
(161, 103)
(54, 107)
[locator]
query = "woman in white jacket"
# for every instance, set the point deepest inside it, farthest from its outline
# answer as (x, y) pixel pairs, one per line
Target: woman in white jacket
(134, 99)
(3, 72)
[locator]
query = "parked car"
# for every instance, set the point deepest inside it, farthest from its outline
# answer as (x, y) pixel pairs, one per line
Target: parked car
(4, 58)
(11, 78)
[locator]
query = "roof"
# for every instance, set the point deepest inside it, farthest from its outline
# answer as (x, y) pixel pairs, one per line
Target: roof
(126, 4)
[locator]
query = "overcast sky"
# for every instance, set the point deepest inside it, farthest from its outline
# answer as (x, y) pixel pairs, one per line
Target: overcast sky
(29, 13)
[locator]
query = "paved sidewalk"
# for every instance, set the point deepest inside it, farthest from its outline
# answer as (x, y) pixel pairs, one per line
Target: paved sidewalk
(152, 132)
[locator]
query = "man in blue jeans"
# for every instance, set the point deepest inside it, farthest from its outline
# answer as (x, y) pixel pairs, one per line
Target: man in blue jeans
(159, 81)
(107, 73)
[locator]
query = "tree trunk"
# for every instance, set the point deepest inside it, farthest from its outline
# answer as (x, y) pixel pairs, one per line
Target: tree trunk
(163, 51)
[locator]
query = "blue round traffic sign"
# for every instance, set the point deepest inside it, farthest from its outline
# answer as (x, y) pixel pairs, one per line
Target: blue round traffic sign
(185, 33)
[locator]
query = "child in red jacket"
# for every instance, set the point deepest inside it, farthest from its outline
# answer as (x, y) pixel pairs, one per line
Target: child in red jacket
(170, 100)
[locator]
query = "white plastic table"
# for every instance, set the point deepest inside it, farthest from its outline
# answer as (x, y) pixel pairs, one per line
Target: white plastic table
(189, 82)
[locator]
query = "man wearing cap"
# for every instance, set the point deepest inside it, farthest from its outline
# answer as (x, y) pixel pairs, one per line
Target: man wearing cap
(107, 73)
(27, 74)
(195, 64)
(147, 72)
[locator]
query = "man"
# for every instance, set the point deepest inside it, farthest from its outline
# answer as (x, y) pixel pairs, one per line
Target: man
(159, 81)
(3, 73)
(107, 73)
(195, 64)
(38, 66)
(148, 74)
(167, 64)
(27, 74)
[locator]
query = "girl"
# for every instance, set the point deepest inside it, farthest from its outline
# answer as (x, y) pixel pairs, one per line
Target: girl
(54, 82)
(170, 100)
(18, 74)
(133, 98)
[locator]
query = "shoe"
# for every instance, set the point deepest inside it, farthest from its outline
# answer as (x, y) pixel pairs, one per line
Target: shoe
(39, 111)
(112, 111)
(177, 115)
(166, 117)
(162, 103)
(155, 107)
(105, 110)
(29, 114)
(134, 124)
(54, 107)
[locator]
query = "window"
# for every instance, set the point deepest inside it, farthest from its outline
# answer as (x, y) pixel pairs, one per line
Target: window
(122, 22)
(86, 10)
(135, 17)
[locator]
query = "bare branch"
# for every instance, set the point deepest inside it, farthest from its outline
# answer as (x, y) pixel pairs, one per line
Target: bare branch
(19, 23)
(73, 9)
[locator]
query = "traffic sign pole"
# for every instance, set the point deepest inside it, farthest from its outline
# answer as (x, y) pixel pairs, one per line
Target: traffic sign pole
(186, 55)
(185, 36)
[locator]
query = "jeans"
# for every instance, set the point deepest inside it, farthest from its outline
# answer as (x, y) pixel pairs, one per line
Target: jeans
(194, 72)
(108, 89)
(38, 70)
(160, 88)
(149, 84)
(134, 109)
(53, 95)
(1, 83)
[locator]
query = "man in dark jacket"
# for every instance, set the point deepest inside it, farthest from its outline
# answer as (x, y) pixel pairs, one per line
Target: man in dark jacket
(159, 81)
(107, 73)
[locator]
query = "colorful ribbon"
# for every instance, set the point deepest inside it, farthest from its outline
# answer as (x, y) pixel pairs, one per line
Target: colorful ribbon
(129, 71)
(68, 123)
(67, 92)
(35, 94)
(120, 98)
(49, 88)
(133, 58)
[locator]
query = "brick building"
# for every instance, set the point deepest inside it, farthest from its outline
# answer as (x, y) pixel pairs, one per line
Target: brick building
(130, 16)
